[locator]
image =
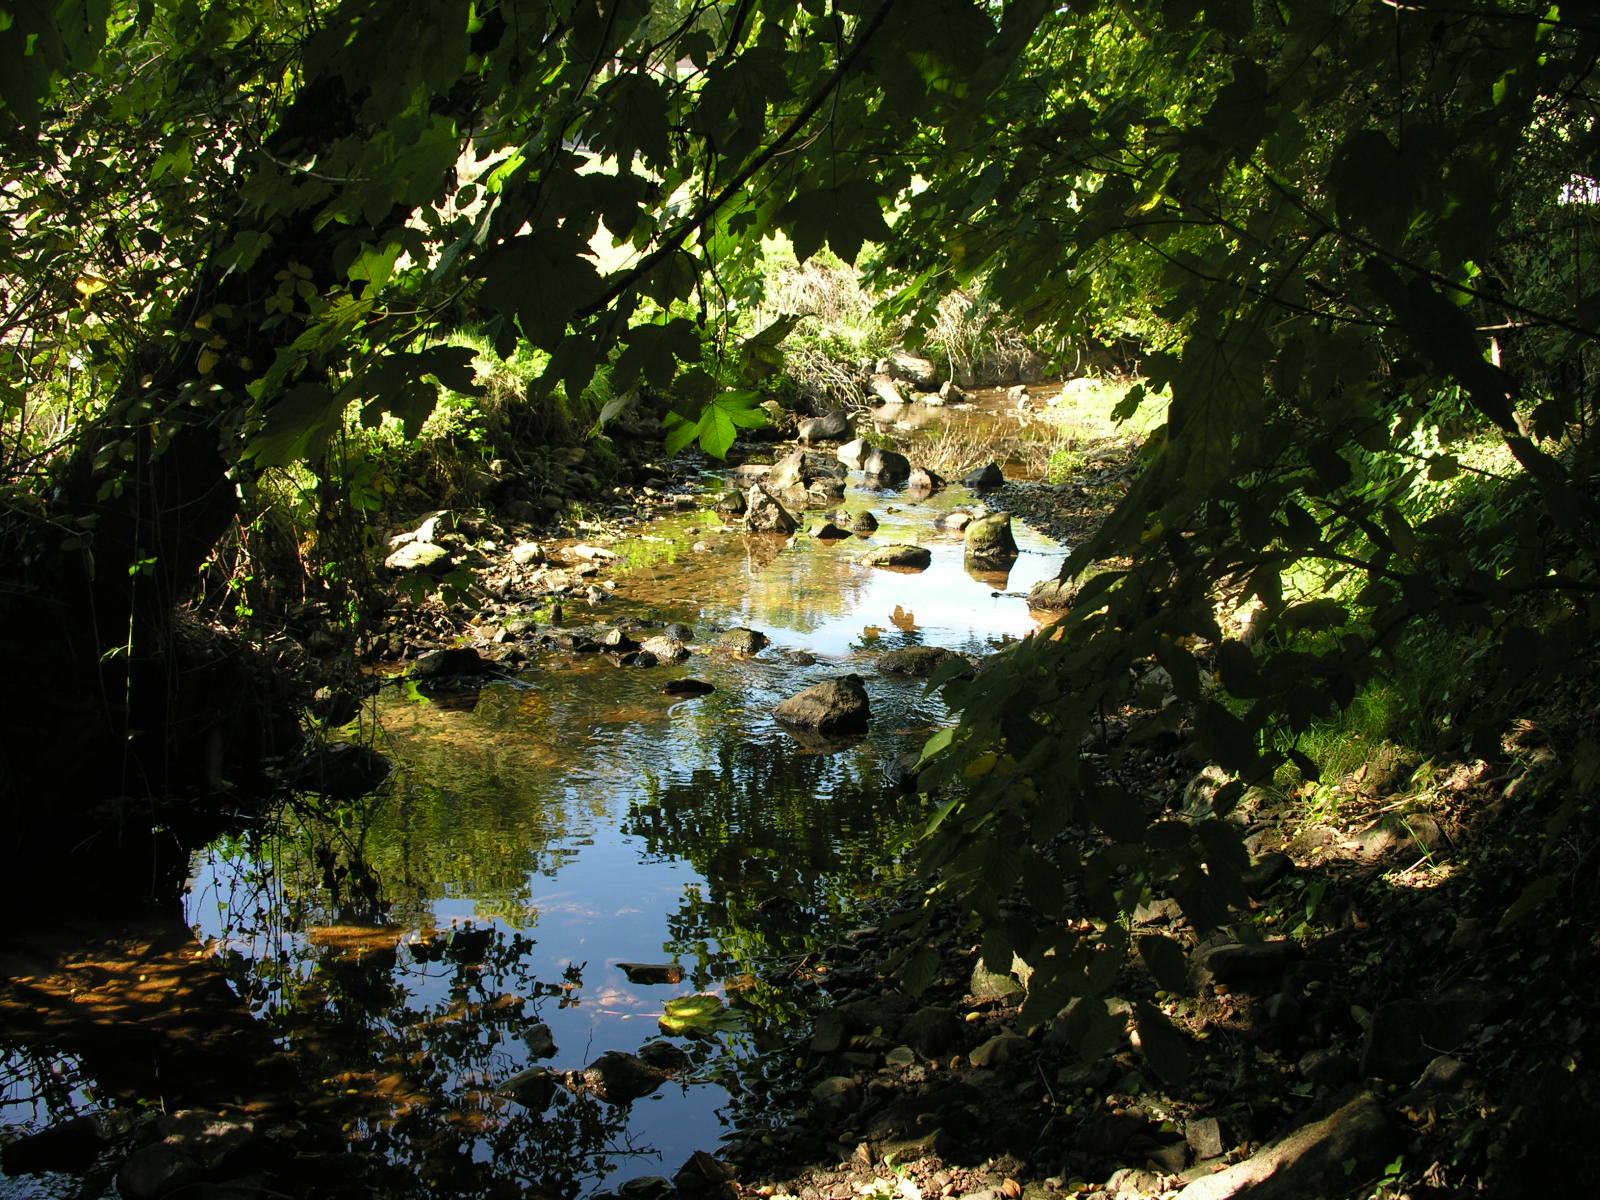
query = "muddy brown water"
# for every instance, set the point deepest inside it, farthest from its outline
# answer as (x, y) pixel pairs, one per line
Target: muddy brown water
(406, 952)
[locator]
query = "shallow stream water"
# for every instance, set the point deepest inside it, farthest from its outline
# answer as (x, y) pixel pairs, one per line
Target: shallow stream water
(544, 830)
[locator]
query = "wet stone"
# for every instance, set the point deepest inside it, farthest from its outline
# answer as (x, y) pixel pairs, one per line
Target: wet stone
(917, 661)
(988, 476)
(70, 1146)
(1109, 1134)
(687, 687)
(1328, 1066)
(665, 1055)
(900, 1056)
(743, 641)
(1404, 1035)
(441, 663)
(833, 706)
(1168, 1158)
(828, 1033)
(989, 540)
(645, 1187)
(886, 468)
(992, 985)
(540, 1040)
(1266, 870)
(665, 648)
(207, 1137)
(534, 1088)
(907, 558)
(155, 1171)
(619, 1078)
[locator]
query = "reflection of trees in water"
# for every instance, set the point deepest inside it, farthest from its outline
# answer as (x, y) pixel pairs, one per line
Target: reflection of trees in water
(417, 1082)
(786, 844)
(40, 1085)
(807, 585)
(467, 814)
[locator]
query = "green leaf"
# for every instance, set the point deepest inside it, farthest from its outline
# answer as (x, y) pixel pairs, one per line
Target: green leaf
(719, 423)
(919, 970)
(544, 279)
(1224, 736)
(1091, 1030)
(652, 353)
(1050, 990)
(374, 264)
(1166, 960)
(1163, 1047)
(1115, 812)
(761, 354)
(700, 1016)
(844, 217)
(1533, 896)
(636, 109)
(297, 426)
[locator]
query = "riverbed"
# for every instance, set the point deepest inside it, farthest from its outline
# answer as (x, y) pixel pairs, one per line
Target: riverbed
(418, 954)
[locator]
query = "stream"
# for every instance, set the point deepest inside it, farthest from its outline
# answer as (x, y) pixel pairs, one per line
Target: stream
(435, 957)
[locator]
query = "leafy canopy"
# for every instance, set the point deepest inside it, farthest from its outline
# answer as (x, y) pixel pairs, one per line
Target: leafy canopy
(1337, 228)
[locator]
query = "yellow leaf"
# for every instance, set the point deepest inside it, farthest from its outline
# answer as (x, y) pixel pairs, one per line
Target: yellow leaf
(981, 765)
(208, 360)
(89, 285)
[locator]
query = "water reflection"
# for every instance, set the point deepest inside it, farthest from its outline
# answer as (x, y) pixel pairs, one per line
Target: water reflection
(419, 953)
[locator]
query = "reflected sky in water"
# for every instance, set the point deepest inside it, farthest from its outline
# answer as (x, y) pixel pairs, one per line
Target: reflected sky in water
(574, 818)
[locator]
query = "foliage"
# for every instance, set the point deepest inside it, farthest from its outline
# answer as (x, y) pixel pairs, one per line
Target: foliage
(1337, 213)
(231, 229)
(1350, 234)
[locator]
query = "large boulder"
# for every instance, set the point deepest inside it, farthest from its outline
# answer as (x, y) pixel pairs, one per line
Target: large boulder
(987, 476)
(833, 706)
(765, 513)
(1321, 1158)
(919, 372)
(830, 427)
(743, 641)
(1053, 595)
(619, 1078)
(884, 390)
(917, 661)
(665, 648)
(853, 453)
(899, 557)
(989, 542)
(886, 467)
(419, 558)
(809, 474)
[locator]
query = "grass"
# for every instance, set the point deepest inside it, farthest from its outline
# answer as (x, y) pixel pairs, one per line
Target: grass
(1087, 404)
